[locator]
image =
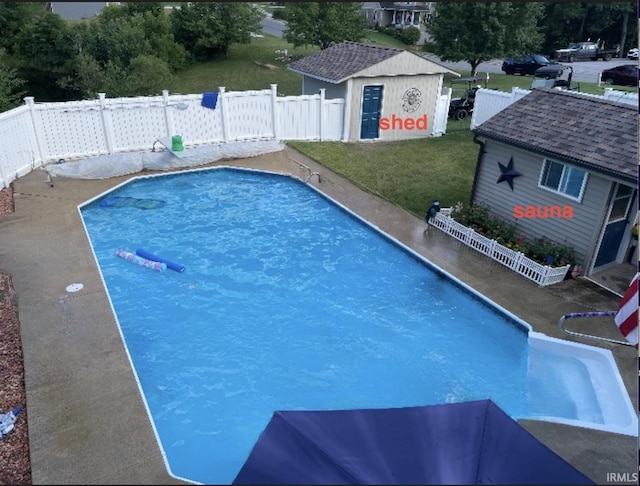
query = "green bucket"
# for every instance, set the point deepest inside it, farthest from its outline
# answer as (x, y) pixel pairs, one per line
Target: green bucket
(176, 143)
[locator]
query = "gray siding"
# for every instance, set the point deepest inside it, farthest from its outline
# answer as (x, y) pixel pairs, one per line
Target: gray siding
(311, 86)
(581, 231)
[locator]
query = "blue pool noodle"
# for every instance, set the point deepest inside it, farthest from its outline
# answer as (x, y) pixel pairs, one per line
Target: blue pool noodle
(150, 256)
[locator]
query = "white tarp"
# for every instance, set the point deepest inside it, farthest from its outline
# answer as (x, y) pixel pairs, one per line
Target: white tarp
(113, 165)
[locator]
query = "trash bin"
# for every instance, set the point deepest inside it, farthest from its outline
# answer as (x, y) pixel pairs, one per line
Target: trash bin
(176, 143)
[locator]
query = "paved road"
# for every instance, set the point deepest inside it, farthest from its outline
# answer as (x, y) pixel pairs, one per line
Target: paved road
(272, 27)
(585, 71)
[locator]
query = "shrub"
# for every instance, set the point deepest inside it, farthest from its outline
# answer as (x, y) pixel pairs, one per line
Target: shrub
(410, 36)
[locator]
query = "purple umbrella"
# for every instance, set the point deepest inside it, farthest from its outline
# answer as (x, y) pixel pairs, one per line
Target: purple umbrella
(459, 443)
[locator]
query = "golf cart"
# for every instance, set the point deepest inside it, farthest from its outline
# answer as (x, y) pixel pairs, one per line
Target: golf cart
(554, 76)
(460, 108)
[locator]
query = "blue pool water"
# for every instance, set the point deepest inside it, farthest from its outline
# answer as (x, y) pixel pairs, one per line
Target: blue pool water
(288, 302)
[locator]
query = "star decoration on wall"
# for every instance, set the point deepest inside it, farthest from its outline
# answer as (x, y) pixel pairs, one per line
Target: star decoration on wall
(508, 173)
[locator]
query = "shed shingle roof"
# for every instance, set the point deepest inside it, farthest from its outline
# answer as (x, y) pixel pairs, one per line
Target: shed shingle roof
(341, 61)
(591, 132)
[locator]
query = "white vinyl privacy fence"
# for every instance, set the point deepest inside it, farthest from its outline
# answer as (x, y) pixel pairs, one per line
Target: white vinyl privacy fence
(37, 133)
(488, 102)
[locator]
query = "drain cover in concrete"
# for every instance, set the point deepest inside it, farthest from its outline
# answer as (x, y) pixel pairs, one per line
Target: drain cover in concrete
(75, 287)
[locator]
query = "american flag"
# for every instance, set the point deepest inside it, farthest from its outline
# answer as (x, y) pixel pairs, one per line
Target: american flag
(627, 316)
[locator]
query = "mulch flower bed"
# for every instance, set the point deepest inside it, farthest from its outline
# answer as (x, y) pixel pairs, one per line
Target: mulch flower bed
(15, 459)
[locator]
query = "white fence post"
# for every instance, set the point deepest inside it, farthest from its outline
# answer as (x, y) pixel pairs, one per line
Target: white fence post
(225, 117)
(30, 101)
(321, 114)
(106, 123)
(4, 180)
(275, 115)
(168, 117)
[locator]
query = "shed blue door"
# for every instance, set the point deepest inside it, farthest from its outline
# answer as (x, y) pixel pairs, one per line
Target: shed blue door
(371, 104)
(617, 220)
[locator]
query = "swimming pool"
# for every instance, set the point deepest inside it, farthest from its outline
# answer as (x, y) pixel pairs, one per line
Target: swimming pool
(289, 301)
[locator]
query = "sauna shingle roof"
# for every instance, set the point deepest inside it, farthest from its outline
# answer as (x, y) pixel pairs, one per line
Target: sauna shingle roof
(599, 134)
(341, 61)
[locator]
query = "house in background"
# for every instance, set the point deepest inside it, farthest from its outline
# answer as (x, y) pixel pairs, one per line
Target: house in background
(400, 15)
(572, 151)
(78, 10)
(380, 86)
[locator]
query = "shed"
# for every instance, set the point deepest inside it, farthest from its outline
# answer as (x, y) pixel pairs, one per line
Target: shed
(566, 150)
(390, 94)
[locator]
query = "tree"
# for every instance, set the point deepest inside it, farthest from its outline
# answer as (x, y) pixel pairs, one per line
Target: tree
(208, 28)
(87, 78)
(45, 43)
(608, 22)
(480, 31)
(560, 23)
(323, 23)
(567, 22)
(410, 36)
(148, 75)
(125, 55)
(133, 8)
(13, 15)
(11, 85)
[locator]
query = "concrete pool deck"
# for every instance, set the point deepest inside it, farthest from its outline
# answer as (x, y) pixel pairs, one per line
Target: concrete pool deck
(87, 421)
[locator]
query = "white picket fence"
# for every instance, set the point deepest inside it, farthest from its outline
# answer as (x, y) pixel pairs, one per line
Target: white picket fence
(543, 275)
(37, 133)
(488, 102)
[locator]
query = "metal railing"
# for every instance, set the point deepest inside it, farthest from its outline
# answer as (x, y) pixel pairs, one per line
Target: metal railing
(574, 315)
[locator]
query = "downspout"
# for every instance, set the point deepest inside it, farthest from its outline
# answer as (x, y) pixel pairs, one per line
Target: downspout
(481, 152)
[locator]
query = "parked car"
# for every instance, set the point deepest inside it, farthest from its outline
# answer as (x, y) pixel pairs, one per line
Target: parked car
(625, 75)
(586, 51)
(633, 54)
(525, 64)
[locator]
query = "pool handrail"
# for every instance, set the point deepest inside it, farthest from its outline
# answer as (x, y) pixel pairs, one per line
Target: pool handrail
(573, 315)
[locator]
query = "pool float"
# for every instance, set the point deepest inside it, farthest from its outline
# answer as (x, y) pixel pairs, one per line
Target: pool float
(141, 252)
(131, 257)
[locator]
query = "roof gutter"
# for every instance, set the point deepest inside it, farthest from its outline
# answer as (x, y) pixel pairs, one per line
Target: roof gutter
(319, 78)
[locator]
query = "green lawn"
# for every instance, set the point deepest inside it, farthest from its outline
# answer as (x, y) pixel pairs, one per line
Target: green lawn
(240, 72)
(411, 173)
